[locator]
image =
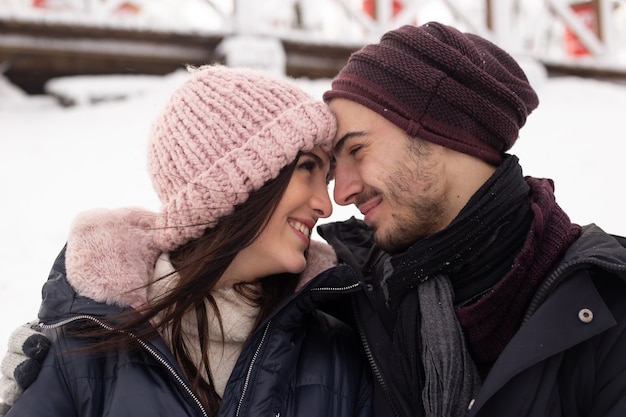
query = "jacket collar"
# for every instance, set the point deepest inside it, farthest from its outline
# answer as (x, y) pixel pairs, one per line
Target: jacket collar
(561, 320)
(327, 288)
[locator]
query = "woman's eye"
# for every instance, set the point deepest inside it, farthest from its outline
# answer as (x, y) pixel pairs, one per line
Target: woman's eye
(307, 165)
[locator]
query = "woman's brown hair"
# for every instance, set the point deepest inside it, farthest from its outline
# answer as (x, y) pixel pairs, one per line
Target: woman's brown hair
(200, 264)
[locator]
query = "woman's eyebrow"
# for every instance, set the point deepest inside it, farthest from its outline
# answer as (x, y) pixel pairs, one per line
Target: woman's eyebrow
(318, 161)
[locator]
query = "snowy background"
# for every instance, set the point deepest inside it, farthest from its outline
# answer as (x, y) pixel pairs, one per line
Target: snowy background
(56, 161)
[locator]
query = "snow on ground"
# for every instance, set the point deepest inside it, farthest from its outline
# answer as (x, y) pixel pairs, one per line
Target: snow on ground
(56, 161)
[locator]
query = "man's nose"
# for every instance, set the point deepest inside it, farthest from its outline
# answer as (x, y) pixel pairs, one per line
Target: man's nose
(347, 184)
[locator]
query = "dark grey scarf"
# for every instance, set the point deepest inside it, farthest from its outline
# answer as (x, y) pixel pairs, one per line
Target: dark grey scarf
(442, 379)
(479, 273)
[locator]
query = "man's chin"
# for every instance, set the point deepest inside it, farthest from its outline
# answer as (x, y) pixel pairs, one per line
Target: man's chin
(389, 241)
(382, 240)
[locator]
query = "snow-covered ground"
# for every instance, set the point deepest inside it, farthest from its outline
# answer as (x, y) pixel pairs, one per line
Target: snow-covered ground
(56, 161)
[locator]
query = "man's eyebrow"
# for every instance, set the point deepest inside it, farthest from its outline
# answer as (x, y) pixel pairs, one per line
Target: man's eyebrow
(342, 141)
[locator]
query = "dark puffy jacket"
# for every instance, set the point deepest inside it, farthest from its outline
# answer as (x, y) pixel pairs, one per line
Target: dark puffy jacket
(567, 360)
(300, 362)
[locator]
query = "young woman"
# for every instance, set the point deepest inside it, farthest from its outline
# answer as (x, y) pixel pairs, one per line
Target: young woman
(207, 308)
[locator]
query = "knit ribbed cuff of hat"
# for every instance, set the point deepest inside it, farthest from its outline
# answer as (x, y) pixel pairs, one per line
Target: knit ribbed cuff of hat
(214, 193)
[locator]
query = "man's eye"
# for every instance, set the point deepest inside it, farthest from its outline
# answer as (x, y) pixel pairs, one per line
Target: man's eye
(355, 149)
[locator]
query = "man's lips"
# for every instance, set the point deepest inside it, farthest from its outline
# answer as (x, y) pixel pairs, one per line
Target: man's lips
(367, 206)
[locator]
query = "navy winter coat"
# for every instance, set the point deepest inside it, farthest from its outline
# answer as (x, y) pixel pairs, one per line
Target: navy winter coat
(567, 360)
(300, 362)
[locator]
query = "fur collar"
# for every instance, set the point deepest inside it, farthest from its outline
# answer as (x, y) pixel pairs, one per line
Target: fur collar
(111, 256)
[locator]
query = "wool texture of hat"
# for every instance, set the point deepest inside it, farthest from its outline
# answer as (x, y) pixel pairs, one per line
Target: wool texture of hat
(454, 89)
(224, 133)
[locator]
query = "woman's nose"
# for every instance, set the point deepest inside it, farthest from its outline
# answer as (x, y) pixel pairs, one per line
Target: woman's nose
(321, 202)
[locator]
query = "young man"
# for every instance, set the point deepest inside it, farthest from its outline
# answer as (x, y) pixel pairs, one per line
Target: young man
(480, 297)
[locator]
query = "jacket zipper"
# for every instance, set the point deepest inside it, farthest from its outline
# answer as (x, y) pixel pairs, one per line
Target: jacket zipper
(246, 383)
(558, 274)
(337, 289)
(366, 347)
(262, 341)
(143, 344)
(370, 358)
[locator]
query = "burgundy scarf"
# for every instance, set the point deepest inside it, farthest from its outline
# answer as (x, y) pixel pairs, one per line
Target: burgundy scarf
(490, 323)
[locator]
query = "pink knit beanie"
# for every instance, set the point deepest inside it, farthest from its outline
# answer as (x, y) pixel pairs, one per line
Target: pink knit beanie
(451, 88)
(224, 133)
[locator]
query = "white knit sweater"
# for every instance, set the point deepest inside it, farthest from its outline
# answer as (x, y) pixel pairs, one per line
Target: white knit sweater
(237, 316)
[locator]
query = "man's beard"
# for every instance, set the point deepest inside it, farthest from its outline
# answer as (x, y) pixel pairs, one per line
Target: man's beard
(420, 218)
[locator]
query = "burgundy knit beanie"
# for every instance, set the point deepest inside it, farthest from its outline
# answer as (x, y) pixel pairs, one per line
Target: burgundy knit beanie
(224, 133)
(451, 88)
